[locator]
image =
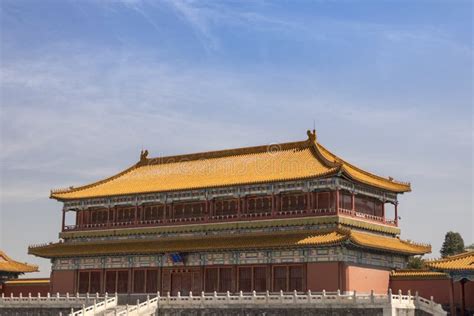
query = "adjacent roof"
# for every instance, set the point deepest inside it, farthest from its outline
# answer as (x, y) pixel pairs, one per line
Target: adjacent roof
(460, 262)
(418, 274)
(229, 242)
(24, 282)
(9, 265)
(251, 165)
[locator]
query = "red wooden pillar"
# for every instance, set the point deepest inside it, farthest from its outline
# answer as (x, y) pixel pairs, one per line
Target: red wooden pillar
(239, 206)
(451, 298)
(396, 213)
(353, 202)
(383, 211)
(337, 201)
(463, 296)
(108, 216)
(207, 210)
(273, 204)
(135, 219)
(165, 209)
(308, 201)
(64, 220)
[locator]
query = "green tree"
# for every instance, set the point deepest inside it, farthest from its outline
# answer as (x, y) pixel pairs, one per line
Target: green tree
(452, 245)
(416, 263)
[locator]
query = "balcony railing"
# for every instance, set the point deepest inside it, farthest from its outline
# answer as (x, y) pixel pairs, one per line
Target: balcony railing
(234, 217)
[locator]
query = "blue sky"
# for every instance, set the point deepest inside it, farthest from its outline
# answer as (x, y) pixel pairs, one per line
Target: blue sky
(86, 84)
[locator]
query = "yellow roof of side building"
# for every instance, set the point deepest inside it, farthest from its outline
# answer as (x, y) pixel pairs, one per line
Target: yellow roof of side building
(229, 242)
(251, 165)
(460, 262)
(9, 265)
(417, 274)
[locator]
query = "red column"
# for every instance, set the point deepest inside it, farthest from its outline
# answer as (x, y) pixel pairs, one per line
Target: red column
(337, 201)
(165, 209)
(64, 220)
(308, 201)
(135, 220)
(396, 213)
(273, 204)
(353, 201)
(239, 206)
(463, 296)
(451, 297)
(108, 216)
(383, 211)
(207, 210)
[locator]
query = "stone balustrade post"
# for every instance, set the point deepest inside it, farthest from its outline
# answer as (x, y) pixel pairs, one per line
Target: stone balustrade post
(83, 311)
(400, 296)
(372, 297)
(148, 302)
(390, 295)
(95, 306)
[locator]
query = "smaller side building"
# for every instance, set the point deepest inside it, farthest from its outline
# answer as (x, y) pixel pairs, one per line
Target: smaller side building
(448, 280)
(25, 287)
(11, 270)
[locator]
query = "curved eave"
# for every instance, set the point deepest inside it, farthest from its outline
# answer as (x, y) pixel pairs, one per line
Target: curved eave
(351, 171)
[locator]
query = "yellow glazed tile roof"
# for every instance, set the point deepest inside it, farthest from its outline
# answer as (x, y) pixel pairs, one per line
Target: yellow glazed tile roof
(417, 274)
(463, 261)
(282, 162)
(228, 242)
(364, 176)
(388, 243)
(165, 245)
(9, 265)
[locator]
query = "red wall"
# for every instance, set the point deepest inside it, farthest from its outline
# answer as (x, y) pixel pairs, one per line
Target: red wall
(324, 276)
(365, 279)
(62, 281)
(438, 288)
(25, 288)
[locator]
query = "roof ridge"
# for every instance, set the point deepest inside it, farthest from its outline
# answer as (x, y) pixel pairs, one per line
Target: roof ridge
(272, 147)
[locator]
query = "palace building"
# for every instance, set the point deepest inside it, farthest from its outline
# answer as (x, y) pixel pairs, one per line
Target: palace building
(283, 217)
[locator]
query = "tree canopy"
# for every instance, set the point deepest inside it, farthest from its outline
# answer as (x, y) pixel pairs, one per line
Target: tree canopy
(452, 245)
(416, 263)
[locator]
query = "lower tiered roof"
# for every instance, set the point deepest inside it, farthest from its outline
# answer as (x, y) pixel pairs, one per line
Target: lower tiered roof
(302, 238)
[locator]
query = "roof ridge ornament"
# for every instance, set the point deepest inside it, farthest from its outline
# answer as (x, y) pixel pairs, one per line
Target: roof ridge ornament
(311, 135)
(143, 156)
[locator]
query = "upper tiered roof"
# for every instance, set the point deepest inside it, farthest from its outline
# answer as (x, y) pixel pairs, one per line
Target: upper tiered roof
(9, 265)
(251, 165)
